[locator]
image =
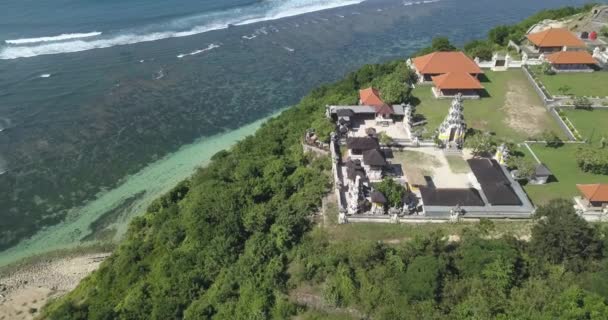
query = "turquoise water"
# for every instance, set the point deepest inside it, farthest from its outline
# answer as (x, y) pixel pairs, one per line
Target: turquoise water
(151, 182)
(93, 93)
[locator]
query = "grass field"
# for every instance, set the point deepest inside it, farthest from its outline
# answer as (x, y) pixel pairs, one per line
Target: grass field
(591, 124)
(562, 162)
(579, 84)
(512, 111)
(395, 233)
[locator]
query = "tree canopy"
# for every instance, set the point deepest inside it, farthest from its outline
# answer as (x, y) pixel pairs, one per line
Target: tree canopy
(236, 241)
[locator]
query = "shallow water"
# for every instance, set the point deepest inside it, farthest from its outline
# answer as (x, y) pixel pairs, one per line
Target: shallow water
(151, 182)
(75, 123)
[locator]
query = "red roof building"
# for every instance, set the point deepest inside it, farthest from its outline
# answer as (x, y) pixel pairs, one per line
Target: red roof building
(455, 80)
(450, 72)
(371, 97)
(554, 39)
(572, 61)
(596, 194)
(438, 63)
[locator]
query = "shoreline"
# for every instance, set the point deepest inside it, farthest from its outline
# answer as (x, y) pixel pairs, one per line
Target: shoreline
(154, 180)
(27, 287)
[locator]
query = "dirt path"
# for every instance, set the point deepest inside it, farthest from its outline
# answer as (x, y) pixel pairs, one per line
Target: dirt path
(25, 291)
(524, 113)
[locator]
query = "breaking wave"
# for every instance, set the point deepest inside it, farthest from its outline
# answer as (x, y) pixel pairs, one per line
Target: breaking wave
(61, 37)
(195, 52)
(183, 27)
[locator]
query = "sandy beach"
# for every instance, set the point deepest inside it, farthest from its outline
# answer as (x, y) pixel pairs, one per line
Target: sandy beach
(25, 291)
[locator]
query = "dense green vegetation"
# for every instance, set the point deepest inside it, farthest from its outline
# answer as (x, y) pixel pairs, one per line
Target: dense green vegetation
(236, 242)
(556, 275)
(233, 242)
(593, 160)
(218, 245)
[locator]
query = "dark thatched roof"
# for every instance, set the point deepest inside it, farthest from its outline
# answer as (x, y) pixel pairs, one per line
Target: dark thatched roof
(354, 169)
(345, 112)
(542, 171)
(364, 143)
(451, 197)
(494, 184)
(374, 158)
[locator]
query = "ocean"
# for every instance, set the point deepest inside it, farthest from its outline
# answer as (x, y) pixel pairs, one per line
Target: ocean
(104, 105)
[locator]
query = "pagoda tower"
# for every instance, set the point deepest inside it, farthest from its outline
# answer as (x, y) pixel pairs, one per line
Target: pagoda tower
(453, 128)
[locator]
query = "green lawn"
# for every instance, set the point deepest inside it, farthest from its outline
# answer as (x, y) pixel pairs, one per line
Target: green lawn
(512, 111)
(591, 124)
(562, 162)
(580, 84)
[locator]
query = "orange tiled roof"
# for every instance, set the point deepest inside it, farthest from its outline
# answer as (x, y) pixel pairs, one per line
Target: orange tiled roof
(370, 97)
(456, 80)
(555, 37)
(594, 192)
(444, 62)
(571, 57)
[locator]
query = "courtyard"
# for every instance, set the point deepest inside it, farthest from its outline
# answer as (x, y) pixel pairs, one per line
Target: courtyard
(511, 109)
(395, 130)
(431, 162)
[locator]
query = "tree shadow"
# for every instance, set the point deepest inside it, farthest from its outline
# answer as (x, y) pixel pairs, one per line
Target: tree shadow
(414, 101)
(517, 154)
(418, 117)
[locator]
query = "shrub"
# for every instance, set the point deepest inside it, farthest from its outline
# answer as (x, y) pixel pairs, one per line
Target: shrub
(604, 31)
(323, 128)
(481, 144)
(593, 160)
(552, 140)
(479, 48)
(547, 69)
(392, 190)
(385, 138)
(581, 103)
(563, 90)
(525, 167)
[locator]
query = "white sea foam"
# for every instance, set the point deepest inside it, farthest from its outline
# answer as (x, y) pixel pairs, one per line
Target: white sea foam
(159, 75)
(4, 124)
(253, 36)
(195, 52)
(407, 3)
(268, 10)
(61, 37)
(45, 75)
